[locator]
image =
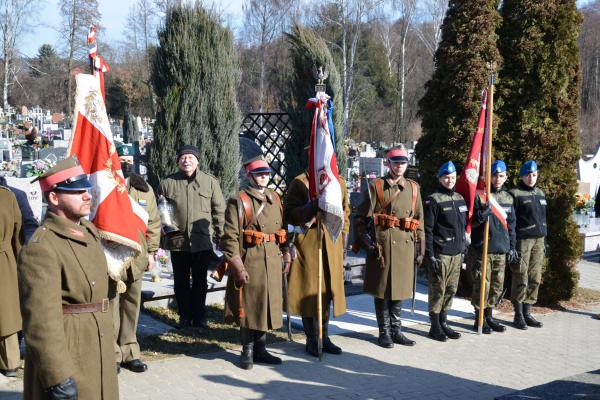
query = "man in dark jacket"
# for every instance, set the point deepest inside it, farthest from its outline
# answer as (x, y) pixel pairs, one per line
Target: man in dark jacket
(501, 245)
(530, 208)
(445, 221)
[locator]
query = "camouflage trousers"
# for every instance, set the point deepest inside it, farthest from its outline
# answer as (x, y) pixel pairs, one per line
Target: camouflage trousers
(527, 274)
(442, 287)
(494, 278)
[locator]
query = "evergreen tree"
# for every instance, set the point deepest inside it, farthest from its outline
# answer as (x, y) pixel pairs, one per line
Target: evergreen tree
(452, 100)
(195, 75)
(539, 93)
(307, 52)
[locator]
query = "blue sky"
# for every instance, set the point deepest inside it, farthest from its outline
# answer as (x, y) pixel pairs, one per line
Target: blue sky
(114, 14)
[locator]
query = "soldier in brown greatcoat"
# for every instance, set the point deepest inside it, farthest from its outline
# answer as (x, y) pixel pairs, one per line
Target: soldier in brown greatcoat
(11, 239)
(389, 223)
(63, 281)
(251, 243)
(299, 211)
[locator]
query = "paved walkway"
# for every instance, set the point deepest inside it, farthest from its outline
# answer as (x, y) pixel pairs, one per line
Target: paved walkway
(474, 367)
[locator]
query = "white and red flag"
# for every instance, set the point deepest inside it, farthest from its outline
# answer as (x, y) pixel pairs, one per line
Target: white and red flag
(99, 66)
(118, 218)
(472, 178)
(323, 176)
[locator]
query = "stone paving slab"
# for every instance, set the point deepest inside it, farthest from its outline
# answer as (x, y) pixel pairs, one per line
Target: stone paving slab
(583, 386)
(474, 367)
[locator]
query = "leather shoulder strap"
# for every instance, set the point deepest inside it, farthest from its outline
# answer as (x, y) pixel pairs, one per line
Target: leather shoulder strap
(413, 186)
(379, 191)
(247, 209)
(278, 201)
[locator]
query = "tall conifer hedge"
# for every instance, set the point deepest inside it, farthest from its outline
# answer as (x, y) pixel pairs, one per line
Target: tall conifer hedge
(195, 75)
(451, 104)
(539, 108)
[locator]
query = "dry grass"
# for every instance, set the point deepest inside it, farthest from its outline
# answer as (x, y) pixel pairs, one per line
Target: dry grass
(583, 298)
(191, 341)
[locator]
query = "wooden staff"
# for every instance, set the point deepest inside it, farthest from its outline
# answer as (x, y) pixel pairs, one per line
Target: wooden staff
(320, 288)
(241, 311)
(488, 177)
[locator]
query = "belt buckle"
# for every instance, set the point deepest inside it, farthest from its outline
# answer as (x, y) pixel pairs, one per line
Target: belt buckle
(105, 304)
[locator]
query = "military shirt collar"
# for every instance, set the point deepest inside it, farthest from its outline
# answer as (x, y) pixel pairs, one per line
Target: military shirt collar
(258, 195)
(401, 182)
(67, 228)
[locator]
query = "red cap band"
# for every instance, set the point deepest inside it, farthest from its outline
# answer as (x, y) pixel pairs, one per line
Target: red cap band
(49, 182)
(257, 164)
(397, 153)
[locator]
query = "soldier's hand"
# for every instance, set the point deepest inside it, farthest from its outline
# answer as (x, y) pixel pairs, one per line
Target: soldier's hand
(512, 257)
(241, 276)
(293, 253)
(435, 265)
(287, 261)
(66, 390)
(151, 262)
(368, 243)
(420, 259)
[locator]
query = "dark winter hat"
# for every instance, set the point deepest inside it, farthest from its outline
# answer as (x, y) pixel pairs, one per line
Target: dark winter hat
(188, 149)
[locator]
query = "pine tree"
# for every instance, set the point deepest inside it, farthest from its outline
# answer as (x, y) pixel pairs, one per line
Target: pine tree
(452, 100)
(307, 52)
(539, 93)
(195, 75)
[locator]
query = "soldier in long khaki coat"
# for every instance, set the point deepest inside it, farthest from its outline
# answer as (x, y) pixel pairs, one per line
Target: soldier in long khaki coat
(198, 213)
(11, 239)
(63, 280)
(126, 306)
(256, 268)
(389, 276)
(299, 211)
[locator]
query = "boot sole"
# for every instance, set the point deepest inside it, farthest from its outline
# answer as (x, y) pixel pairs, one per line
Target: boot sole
(439, 339)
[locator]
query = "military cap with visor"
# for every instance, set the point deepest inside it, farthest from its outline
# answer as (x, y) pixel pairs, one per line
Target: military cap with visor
(125, 149)
(397, 155)
(257, 165)
(66, 175)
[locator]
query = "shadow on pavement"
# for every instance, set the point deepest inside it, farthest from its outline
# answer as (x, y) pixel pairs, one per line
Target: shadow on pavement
(582, 386)
(354, 376)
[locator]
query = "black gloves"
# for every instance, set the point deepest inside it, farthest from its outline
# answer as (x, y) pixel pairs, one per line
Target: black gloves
(484, 213)
(368, 243)
(66, 390)
(512, 256)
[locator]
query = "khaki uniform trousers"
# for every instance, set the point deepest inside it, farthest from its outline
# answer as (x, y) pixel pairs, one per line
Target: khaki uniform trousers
(126, 312)
(527, 274)
(10, 355)
(443, 288)
(494, 278)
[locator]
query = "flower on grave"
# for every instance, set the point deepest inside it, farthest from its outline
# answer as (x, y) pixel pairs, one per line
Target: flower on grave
(583, 203)
(38, 167)
(162, 257)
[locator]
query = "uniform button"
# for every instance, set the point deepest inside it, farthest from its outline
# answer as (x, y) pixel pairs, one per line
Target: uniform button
(93, 283)
(262, 226)
(393, 242)
(406, 240)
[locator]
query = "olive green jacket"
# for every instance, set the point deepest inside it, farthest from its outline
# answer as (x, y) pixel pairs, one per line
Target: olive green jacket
(199, 211)
(63, 263)
(151, 241)
(11, 239)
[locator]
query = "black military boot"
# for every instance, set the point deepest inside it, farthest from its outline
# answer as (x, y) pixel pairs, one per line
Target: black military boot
(529, 320)
(451, 333)
(495, 325)
(383, 323)
(311, 337)
(261, 355)
(395, 308)
(436, 332)
(247, 338)
(519, 321)
(328, 346)
(485, 328)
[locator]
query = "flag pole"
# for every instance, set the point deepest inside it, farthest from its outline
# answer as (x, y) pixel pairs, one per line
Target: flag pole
(320, 289)
(488, 167)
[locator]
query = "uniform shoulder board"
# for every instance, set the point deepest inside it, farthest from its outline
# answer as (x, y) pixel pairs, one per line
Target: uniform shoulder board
(4, 188)
(412, 180)
(38, 234)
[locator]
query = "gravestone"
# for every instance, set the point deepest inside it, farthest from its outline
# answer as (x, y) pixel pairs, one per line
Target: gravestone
(53, 153)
